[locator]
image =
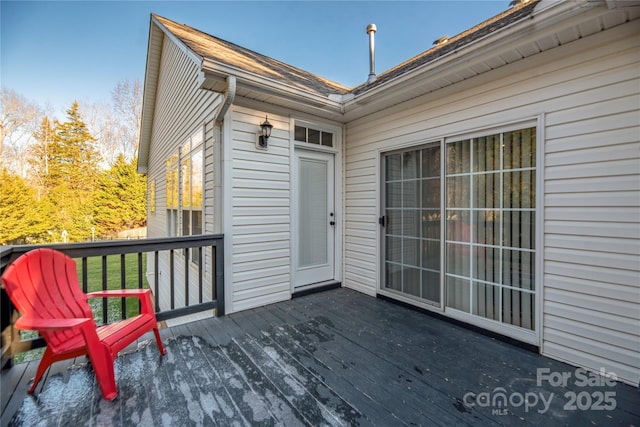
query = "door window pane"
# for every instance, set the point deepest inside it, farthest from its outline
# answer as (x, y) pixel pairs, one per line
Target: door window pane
(410, 164)
(495, 250)
(431, 193)
(486, 191)
(458, 157)
(431, 162)
(412, 233)
(519, 189)
(458, 294)
(520, 149)
(393, 167)
(487, 227)
(431, 224)
(486, 300)
(458, 192)
(313, 213)
(486, 153)
(393, 221)
(313, 136)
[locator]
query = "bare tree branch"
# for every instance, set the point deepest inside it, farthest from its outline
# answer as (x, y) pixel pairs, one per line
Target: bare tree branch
(19, 118)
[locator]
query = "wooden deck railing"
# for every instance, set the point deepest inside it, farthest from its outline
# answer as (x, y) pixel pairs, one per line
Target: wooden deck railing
(185, 274)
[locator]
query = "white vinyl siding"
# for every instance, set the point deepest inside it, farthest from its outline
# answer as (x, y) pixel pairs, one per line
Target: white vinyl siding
(585, 95)
(259, 200)
(181, 109)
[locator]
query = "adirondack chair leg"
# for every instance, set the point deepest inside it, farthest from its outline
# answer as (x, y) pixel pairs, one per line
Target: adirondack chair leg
(159, 341)
(102, 361)
(47, 360)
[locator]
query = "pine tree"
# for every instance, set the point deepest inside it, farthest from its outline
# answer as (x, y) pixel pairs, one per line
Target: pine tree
(41, 154)
(120, 200)
(73, 156)
(21, 219)
(65, 161)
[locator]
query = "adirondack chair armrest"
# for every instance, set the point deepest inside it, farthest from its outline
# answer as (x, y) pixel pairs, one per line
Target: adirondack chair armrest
(49, 324)
(144, 295)
(136, 293)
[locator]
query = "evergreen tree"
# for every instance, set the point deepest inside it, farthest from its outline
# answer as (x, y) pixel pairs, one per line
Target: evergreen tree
(70, 213)
(21, 219)
(65, 164)
(73, 157)
(41, 154)
(120, 200)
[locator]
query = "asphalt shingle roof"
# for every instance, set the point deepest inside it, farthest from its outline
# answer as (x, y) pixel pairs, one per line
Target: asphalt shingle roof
(222, 51)
(216, 49)
(454, 43)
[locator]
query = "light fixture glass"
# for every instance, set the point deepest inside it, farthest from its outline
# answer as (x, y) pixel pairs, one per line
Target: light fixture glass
(266, 133)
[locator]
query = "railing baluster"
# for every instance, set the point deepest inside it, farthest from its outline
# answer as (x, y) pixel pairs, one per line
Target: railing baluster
(139, 270)
(123, 284)
(105, 308)
(156, 279)
(139, 277)
(200, 269)
(172, 278)
(186, 277)
(85, 275)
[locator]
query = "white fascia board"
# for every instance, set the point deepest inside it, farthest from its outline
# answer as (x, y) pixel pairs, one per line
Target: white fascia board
(149, 96)
(191, 54)
(217, 70)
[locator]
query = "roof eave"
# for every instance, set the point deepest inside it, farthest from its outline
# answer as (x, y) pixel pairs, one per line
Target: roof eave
(411, 83)
(215, 73)
(151, 75)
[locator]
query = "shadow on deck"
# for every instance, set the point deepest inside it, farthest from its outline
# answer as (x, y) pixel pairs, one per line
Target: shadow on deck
(332, 358)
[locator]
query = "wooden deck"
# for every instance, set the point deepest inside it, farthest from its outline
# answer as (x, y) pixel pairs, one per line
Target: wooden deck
(332, 358)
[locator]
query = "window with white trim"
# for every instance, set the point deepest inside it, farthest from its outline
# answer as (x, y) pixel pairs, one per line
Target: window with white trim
(172, 195)
(185, 184)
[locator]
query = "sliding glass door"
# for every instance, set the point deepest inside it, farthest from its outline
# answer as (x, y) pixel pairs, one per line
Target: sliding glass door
(478, 240)
(491, 217)
(413, 223)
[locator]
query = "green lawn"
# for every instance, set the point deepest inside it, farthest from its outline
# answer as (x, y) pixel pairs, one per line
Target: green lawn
(94, 283)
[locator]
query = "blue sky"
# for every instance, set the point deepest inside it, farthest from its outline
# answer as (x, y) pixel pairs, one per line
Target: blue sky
(55, 52)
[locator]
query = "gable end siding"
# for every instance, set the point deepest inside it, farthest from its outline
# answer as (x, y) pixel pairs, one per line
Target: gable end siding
(181, 108)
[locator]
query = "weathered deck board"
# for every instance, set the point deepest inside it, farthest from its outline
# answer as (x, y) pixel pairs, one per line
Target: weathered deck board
(333, 358)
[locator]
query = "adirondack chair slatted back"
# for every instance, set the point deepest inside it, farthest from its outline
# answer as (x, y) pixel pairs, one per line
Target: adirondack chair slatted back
(43, 284)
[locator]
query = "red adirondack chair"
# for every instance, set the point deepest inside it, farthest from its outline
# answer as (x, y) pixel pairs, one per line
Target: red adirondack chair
(43, 286)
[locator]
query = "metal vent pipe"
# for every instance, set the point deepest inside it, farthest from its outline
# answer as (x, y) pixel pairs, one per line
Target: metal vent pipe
(371, 30)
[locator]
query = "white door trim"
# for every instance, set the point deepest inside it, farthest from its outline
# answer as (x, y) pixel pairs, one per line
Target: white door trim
(325, 272)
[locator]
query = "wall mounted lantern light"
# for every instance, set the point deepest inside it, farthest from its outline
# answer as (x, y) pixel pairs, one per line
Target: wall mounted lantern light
(266, 133)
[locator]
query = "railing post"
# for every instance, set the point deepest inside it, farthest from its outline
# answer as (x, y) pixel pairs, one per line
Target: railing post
(218, 278)
(6, 328)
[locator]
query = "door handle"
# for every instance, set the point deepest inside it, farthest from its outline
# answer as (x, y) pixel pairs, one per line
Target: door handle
(332, 223)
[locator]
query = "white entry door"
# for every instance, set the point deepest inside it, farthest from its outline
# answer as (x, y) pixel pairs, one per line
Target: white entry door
(314, 218)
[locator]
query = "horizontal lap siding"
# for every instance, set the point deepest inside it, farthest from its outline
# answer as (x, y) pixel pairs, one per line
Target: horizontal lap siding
(592, 228)
(181, 108)
(589, 94)
(260, 203)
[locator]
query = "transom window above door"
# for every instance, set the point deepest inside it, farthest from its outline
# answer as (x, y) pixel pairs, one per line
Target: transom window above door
(313, 136)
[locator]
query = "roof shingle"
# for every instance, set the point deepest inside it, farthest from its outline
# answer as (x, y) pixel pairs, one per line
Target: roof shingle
(216, 49)
(230, 54)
